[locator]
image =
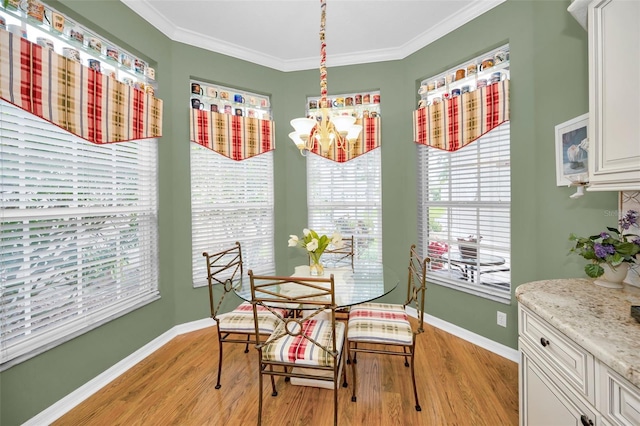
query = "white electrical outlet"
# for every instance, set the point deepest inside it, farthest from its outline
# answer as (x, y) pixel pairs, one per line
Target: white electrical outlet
(502, 319)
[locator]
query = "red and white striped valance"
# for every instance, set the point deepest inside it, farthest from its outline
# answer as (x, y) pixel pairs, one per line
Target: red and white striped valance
(456, 122)
(369, 139)
(233, 136)
(88, 104)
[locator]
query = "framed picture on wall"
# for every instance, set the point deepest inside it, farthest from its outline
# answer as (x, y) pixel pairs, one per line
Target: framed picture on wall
(572, 151)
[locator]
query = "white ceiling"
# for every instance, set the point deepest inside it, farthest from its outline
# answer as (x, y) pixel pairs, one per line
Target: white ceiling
(284, 34)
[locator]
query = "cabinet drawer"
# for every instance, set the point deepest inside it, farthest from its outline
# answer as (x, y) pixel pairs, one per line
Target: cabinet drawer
(620, 399)
(570, 361)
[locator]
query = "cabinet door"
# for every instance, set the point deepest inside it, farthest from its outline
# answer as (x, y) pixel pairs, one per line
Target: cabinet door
(620, 399)
(614, 95)
(544, 404)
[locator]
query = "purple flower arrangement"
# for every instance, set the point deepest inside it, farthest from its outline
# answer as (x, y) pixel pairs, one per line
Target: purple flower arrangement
(612, 246)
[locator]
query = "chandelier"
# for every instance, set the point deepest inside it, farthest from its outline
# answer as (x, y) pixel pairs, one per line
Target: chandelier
(325, 131)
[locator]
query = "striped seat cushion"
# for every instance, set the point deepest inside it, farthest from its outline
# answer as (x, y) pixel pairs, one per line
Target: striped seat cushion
(240, 320)
(298, 349)
(380, 323)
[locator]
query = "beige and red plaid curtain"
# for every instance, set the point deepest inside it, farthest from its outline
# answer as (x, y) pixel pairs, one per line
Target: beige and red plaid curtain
(456, 122)
(233, 136)
(368, 140)
(88, 104)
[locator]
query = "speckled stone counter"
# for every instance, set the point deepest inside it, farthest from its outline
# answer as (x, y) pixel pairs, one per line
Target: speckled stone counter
(596, 318)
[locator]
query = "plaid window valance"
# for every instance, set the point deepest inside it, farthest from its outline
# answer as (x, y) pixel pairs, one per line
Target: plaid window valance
(88, 104)
(456, 122)
(369, 139)
(233, 136)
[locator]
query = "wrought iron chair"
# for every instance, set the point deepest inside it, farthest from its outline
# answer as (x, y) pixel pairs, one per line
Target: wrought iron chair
(342, 256)
(305, 348)
(225, 270)
(385, 328)
(339, 257)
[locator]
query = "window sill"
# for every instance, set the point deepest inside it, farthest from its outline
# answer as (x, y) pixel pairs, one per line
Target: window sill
(483, 290)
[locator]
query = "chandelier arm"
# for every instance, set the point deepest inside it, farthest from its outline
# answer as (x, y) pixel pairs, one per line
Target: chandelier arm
(346, 144)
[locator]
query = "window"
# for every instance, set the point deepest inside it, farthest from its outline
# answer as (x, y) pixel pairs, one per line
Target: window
(79, 232)
(467, 193)
(347, 197)
(231, 201)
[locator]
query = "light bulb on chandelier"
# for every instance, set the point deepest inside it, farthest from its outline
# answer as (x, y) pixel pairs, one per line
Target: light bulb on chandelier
(340, 129)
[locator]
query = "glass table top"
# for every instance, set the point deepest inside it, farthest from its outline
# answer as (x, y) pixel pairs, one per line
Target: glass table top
(363, 284)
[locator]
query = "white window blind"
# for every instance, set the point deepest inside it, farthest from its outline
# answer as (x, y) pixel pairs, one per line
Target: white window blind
(79, 232)
(468, 193)
(231, 201)
(347, 197)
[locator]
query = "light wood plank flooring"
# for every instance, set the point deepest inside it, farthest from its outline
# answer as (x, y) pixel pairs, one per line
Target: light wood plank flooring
(458, 384)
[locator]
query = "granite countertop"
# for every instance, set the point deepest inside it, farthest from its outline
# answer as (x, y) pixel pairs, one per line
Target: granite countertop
(596, 318)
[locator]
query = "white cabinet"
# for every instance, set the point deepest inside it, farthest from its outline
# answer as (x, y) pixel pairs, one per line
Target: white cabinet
(614, 95)
(546, 404)
(563, 384)
(620, 401)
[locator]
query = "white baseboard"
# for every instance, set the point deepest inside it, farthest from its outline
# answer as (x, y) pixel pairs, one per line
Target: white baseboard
(70, 401)
(476, 339)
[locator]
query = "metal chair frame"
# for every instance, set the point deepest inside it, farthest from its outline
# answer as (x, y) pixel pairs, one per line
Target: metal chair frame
(319, 298)
(344, 254)
(416, 289)
(227, 263)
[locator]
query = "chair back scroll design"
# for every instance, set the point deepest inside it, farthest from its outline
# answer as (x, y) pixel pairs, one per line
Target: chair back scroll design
(416, 285)
(224, 268)
(299, 347)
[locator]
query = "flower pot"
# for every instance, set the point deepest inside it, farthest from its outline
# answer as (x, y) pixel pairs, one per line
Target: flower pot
(315, 268)
(613, 275)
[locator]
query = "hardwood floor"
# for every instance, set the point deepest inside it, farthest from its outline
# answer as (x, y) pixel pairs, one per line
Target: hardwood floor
(458, 384)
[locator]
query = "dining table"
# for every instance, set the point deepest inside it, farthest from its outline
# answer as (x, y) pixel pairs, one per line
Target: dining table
(364, 282)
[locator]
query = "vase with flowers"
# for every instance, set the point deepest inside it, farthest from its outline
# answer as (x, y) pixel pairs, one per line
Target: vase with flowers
(610, 252)
(315, 245)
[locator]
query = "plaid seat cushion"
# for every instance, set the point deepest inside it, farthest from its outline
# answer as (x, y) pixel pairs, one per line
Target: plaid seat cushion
(299, 349)
(240, 320)
(379, 323)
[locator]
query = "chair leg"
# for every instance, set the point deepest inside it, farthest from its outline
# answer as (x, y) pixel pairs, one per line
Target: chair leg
(246, 348)
(335, 401)
(219, 359)
(406, 361)
(344, 370)
(353, 372)
(287, 379)
(413, 377)
(274, 391)
(260, 372)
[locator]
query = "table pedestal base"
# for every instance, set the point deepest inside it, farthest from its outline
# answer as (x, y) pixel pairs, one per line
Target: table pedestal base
(315, 383)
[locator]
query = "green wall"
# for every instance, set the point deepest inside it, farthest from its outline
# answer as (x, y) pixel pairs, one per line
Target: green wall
(549, 75)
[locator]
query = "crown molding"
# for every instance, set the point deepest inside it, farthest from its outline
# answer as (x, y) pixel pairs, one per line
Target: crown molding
(192, 38)
(448, 25)
(212, 44)
(152, 16)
